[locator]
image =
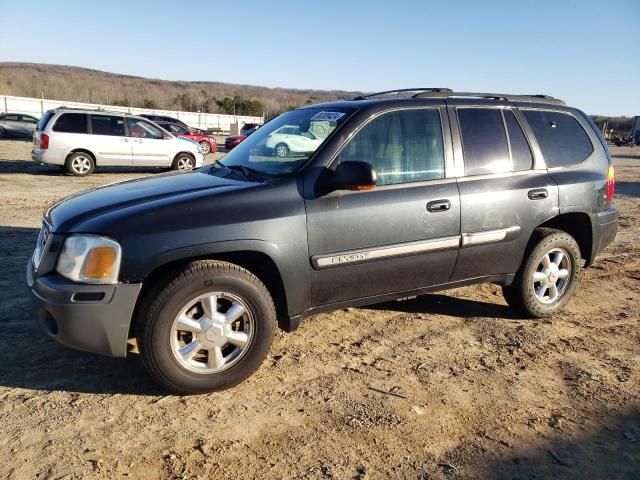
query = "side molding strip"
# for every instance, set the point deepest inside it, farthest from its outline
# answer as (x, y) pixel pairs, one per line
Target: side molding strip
(320, 262)
(490, 236)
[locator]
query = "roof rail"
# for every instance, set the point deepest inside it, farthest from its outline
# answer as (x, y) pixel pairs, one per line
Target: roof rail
(494, 96)
(420, 89)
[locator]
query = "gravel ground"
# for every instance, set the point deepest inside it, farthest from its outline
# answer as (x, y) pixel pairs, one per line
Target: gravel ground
(450, 385)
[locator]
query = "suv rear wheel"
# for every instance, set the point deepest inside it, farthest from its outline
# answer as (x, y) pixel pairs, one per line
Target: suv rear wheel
(207, 328)
(80, 164)
(549, 275)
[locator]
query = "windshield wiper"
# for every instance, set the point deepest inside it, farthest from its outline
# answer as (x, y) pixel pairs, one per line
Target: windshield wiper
(246, 171)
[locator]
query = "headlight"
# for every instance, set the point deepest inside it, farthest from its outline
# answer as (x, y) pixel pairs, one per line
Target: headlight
(90, 259)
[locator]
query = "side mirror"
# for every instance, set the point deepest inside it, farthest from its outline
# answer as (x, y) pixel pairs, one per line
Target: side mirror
(354, 176)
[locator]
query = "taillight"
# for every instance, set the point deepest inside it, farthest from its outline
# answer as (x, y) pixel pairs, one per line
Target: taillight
(611, 183)
(44, 141)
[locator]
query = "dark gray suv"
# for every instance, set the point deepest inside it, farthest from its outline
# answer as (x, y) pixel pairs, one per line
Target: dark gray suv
(385, 196)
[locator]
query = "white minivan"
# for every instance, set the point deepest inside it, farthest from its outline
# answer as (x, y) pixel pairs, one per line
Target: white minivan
(80, 140)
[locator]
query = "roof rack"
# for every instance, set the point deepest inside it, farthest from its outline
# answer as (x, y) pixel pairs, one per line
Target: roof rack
(420, 89)
(493, 96)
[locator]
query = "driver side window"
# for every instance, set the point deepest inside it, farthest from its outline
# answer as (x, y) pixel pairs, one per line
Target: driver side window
(404, 146)
(142, 129)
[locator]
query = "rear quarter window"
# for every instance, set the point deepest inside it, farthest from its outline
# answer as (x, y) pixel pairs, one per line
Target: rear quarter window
(44, 120)
(71, 123)
(562, 139)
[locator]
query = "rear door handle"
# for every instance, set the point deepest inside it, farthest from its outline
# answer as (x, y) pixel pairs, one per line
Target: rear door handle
(538, 194)
(439, 206)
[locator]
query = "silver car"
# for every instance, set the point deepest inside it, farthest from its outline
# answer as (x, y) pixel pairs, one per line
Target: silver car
(17, 124)
(80, 140)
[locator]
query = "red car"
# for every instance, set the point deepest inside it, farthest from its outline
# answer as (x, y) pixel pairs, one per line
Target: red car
(235, 140)
(207, 144)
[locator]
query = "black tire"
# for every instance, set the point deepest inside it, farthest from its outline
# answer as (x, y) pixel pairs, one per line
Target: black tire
(281, 150)
(163, 303)
(183, 161)
(3, 132)
(80, 164)
(205, 147)
(521, 294)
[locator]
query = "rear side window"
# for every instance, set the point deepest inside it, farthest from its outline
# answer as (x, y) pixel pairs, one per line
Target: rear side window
(403, 146)
(520, 151)
(484, 141)
(562, 139)
(42, 124)
(487, 147)
(11, 118)
(71, 123)
(107, 125)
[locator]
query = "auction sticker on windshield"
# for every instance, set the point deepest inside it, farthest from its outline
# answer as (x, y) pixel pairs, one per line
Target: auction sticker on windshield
(327, 117)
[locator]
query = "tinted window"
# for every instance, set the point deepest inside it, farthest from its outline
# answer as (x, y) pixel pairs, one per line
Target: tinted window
(143, 129)
(404, 146)
(520, 151)
(11, 118)
(71, 123)
(562, 140)
(484, 141)
(45, 119)
(107, 125)
(175, 128)
(28, 119)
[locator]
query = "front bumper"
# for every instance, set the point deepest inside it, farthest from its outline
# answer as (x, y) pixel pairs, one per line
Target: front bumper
(93, 318)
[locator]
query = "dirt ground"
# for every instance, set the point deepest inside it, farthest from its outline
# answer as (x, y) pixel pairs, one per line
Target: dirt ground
(450, 385)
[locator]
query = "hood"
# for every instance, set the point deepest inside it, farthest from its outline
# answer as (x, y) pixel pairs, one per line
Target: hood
(185, 139)
(236, 137)
(79, 212)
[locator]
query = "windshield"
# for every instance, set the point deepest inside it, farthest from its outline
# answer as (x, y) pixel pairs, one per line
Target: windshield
(286, 142)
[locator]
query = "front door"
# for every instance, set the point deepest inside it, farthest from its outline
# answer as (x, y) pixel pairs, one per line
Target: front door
(402, 235)
(148, 145)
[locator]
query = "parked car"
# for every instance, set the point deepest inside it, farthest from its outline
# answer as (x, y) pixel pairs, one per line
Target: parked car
(207, 144)
(626, 141)
(80, 140)
(248, 126)
(17, 125)
(164, 118)
(235, 140)
(290, 139)
(404, 196)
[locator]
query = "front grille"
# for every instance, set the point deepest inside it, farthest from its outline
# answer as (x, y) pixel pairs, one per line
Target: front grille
(41, 244)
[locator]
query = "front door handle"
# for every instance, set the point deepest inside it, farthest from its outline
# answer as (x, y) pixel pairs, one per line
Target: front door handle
(538, 194)
(439, 206)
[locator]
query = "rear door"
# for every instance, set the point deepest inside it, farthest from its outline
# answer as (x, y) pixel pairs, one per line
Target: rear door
(109, 140)
(505, 190)
(402, 235)
(148, 145)
(28, 124)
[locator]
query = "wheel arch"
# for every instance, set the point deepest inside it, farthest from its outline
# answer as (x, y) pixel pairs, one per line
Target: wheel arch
(579, 226)
(82, 150)
(259, 263)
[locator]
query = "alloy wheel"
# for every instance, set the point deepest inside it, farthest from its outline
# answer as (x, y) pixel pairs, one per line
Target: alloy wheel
(553, 275)
(212, 332)
(81, 164)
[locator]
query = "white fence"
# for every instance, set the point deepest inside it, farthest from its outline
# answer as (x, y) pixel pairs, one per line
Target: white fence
(204, 121)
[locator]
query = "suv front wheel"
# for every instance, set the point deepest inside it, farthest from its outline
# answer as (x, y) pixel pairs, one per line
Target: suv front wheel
(207, 328)
(548, 276)
(183, 161)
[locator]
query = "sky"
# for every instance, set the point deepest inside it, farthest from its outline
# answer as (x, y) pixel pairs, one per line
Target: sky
(584, 52)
